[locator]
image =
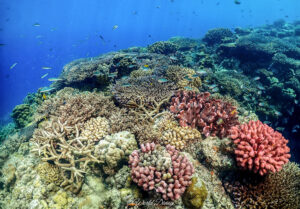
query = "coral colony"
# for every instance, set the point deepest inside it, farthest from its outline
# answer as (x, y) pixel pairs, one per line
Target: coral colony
(188, 122)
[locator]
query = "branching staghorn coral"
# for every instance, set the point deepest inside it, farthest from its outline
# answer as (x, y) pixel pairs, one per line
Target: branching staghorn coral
(76, 108)
(71, 154)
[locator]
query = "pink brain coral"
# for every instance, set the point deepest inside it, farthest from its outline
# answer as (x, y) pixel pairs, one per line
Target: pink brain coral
(162, 169)
(259, 148)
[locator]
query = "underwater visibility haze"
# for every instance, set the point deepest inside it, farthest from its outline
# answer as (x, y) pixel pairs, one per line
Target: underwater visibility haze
(190, 104)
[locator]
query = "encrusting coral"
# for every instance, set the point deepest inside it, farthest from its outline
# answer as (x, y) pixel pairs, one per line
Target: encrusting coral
(259, 148)
(114, 149)
(50, 173)
(162, 169)
(195, 194)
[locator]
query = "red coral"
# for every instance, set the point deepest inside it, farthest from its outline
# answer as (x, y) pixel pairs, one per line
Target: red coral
(259, 147)
(214, 117)
(161, 169)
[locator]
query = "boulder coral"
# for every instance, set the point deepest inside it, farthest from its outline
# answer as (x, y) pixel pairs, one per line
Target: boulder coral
(259, 148)
(162, 169)
(113, 149)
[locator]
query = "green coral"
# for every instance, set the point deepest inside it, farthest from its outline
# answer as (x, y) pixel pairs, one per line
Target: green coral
(22, 115)
(195, 195)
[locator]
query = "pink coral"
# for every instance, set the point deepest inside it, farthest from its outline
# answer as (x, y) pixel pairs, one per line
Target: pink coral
(162, 169)
(259, 147)
(214, 117)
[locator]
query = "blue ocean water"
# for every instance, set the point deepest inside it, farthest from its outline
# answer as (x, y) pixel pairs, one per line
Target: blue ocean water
(39, 33)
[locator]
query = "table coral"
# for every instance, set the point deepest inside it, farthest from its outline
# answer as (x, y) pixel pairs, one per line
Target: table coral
(114, 149)
(162, 169)
(95, 129)
(259, 148)
(213, 117)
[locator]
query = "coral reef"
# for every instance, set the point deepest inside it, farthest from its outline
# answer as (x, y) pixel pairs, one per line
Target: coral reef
(22, 115)
(173, 134)
(183, 77)
(276, 190)
(214, 117)
(49, 173)
(195, 194)
(95, 129)
(163, 47)
(72, 154)
(259, 148)
(114, 149)
(161, 169)
(217, 36)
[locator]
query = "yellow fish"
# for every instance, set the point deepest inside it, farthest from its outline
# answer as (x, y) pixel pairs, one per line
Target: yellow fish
(44, 96)
(115, 27)
(146, 65)
(233, 112)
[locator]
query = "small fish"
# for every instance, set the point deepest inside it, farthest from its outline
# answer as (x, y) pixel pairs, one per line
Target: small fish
(280, 128)
(131, 66)
(46, 68)
(173, 58)
(237, 2)
(212, 86)
(267, 122)
(188, 78)
(124, 77)
(277, 113)
(296, 101)
(295, 128)
(44, 96)
(39, 36)
(43, 76)
(162, 80)
(216, 89)
(54, 79)
(13, 65)
(2, 44)
(112, 75)
(256, 78)
(46, 89)
(98, 73)
(147, 66)
(115, 27)
(195, 76)
(290, 111)
(259, 92)
(101, 37)
(131, 204)
(220, 121)
(126, 84)
(188, 88)
(260, 87)
(201, 72)
(36, 25)
(261, 104)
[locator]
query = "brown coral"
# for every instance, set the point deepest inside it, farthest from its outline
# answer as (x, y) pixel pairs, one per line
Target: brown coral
(95, 129)
(276, 190)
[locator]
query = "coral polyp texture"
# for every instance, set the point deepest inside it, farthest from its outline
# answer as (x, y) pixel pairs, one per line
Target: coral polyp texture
(213, 117)
(161, 169)
(259, 147)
